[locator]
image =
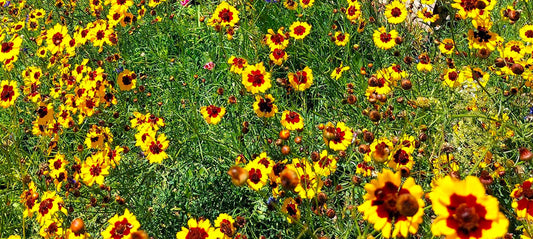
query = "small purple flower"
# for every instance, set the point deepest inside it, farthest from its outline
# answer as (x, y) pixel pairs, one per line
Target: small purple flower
(7, 4)
(531, 110)
(120, 69)
(209, 66)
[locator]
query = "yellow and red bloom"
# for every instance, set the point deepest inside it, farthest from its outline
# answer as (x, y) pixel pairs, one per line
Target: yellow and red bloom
(265, 107)
(10, 49)
(447, 46)
(482, 37)
(401, 159)
(326, 164)
(238, 64)
(98, 137)
(292, 120)
(224, 15)
(256, 79)
(200, 229)
(379, 150)
(427, 16)
(57, 38)
(276, 40)
(278, 56)
(337, 73)
(526, 33)
(290, 207)
(337, 137)
(341, 39)
(121, 227)
(523, 200)
(57, 165)
(257, 175)
(452, 78)
(465, 211)
(94, 170)
(467, 8)
(384, 39)
(306, 3)
(28, 198)
(395, 12)
(388, 202)
(301, 80)
(127, 80)
(212, 114)
(51, 229)
(353, 12)
(299, 30)
(49, 205)
(424, 64)
(155, 152)
(290, 4)
(224, 224)
(9, 92)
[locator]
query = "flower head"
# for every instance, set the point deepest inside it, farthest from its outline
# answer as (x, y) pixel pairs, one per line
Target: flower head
(292, 120)
(121, 227)
(301, 80)
(256, 79)
(299, 30)
(395, 12)
(383, 39)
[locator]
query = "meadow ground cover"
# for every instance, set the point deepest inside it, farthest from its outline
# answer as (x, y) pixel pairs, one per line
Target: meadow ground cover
(266, 119)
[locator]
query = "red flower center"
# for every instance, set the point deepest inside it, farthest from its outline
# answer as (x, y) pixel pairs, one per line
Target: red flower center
(213, 111)
(52, 228)
(339, 136)
(341, 37)
(401, 157)
(156, 147)
(299, 30)
(7, 93)
(515, 48)
(468, 5)
(453, 75)
(324, 162)
(385, 37)
(196, 233)
(428, 14)
(126, 80)
(7, 47)
(225, 227)
(305, 2)
(255, 175)
(121, 229)
(351, 11)
(100, 34)
(300, 77)
(292, 117)
(265, 105)
(529, 33)
(291, 209)
(57, 39)
(46, 205)
(239, 62)
(448, 46)
(226, 15)
(305, 181)
(396, 12)
(467, 217)
(278, 53)
(256, 78)
(57, 164)
(277, 39)
(95, 170)
(385, 201)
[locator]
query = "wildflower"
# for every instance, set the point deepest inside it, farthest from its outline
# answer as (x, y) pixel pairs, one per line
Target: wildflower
(364, 169)
(379, 150)
(237, 64)
(127, 80)
(424, 64)
(395, 12)
(112, 156)
(401, 158)
(8, 93)
(522, 200)
(51, 229)
(212, 114)
(384, 39)
(57, 165)
(278, 56)
(526, 33)
(337, 137)
(447, 46)
(224, 15)
(49, 205)
(299, 30)
(256, 79)
(337, 72)
(265, 107)
(292, 120)
(390, 203)
(452, 78)
(200, 229)
(29, 197)
(301, 80)
(101, 34)
(257, 175)
(427, 16)
(121, 227)
(353, 12)
(98, 137)
(341, 39)
(94, 170)
(276, 40)
(467, 8)
(57, 38)
(464, 210)
(306, 3)
(209, 66)
(326, 164)
(224, 224)
(290, 208)
(155, 150)
(482, 37)
(290, 4)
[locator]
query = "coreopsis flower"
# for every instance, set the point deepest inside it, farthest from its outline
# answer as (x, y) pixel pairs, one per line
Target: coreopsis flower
(49, 205)
(364, 169)
(309, 182)
(265, 161)
(257, 175)
(224, 224)
(326, 164)
(473, 78)
(51, 229)
(395, 12)
(155, 151)
(41, 52)
(427, 16)
(9, 92)
(45, 113)
(276, 40)
(514, 50)
(94, 170)
(290, 4)
(464, 210)
(388, 202)
(299, 30)
(238, 64)
(292, 120)
(224, 15)
(447, 46)
(396, 73)
(142, 138)
(121, 227)
(353, 12)
(278, 56)
(212, 114)
(401, 159)
(467, 8)
(265, 107)
(424, 64)
(526, 33)
(301, 80)
(200, 229)
(73, 235)
(101, 34)
(306, 3)
(482, 37)
(98, 137)
(380, 150)
(29, 197)
(523, 200)
(127, 80)
(337, 137)
(256, 79)
(290, 208)
(384, 39)
(341, 39)
(57, 165)
(57, 38)
(337, 72)
(155, 3)
(10, 49)
(452, 78)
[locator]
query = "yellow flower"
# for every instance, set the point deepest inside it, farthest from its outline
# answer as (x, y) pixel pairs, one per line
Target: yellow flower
(212, 114)
(51, 229)
(452, 78)
(224, 15)
(57, 165)
(290, 4)
(301, 80)
(353, 12)
(337, 137)
(290, 207)
(257, 175)
(383, 39)
(401, 159)
(299, 30)
(427, 16)
(522, 202)
(238, 64)
(292, 120)
(199, 229)
(380, 150)
(94, 170)
(278, 56)
(337, 73)
(388, 202)
(121, 227)
(126, 80)
(9, 92)
(49, 205)
(326, 164)
(265, 107)
(341, 39)
(395, 12)
(465, 211)
(57, 38)
(526, 33)
(482, 37)
(224, 224)
(306, 3)
(255, 78)
(447, 46)
(155, 153)
(276, 40)
(10, 49)
(309, 182)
